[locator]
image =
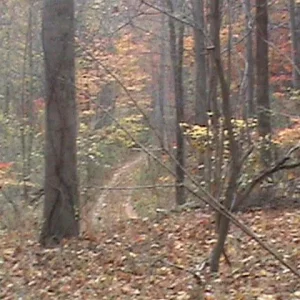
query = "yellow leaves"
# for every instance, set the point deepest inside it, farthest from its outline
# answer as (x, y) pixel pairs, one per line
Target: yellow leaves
(201, 137)
(88, 112)
(297, 293)
(197, 132)
(266, 297)
(164, 179)
(133, 124)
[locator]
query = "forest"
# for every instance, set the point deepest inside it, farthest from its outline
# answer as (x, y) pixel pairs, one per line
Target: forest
(150, 149)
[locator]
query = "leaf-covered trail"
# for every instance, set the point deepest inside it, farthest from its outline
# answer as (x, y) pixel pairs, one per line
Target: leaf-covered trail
(115, 205)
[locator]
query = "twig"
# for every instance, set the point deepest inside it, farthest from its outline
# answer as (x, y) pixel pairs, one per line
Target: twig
(193, 272)
(139, 187)
(246, 155)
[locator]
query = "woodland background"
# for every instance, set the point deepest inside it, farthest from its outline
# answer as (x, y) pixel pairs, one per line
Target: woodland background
(168, 120)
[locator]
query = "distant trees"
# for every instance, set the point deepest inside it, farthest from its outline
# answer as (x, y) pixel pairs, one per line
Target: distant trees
(61, 205)
(295, 33)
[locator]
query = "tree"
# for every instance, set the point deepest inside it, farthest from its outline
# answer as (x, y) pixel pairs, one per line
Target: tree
(249, 70)
(176, 52)
(200, 86)
(61, 204)
(222, 222)
(295, 30)
(161, 97)
(262, 79)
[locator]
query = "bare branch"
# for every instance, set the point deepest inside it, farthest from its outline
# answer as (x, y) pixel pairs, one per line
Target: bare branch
(278, 166)
(139, 187)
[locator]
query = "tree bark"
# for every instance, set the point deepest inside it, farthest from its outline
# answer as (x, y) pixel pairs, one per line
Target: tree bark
(176, 52)
(8, 67)
(262, 79)
(249, 61)
(295, 32)
(213, 77)
(162, 87)
(61, 206)
(201, 106)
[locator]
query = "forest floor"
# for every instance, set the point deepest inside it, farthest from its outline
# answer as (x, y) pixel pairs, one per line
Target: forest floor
(149, 259)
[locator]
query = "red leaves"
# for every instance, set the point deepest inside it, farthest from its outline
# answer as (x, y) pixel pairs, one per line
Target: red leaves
(5, 166)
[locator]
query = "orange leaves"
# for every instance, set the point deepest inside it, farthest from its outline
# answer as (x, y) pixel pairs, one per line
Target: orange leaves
(5, 167)
(288, 136)
(125, 60)
(189, 55)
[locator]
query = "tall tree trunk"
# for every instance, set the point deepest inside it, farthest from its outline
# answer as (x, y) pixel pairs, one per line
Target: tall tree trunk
(213, 77)
(262, 79)
(176, 51)
(201, 107)
(29, 102)
(229, 42)
(295, 31)
(213, 105)
(24, 115)
(250, 107)
(162, 86)
(222, 221)
(8, 78)
(61, 207)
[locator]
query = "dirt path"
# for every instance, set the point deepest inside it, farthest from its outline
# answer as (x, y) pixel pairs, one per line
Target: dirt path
(116, 204)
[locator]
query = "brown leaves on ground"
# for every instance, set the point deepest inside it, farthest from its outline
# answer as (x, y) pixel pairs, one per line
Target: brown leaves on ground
(138, 259)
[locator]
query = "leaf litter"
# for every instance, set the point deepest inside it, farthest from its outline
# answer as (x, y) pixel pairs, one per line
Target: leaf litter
(151, 259)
